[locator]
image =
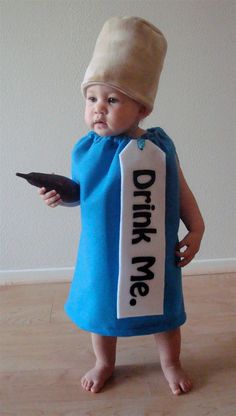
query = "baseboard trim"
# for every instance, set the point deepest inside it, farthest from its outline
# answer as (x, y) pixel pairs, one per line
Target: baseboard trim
(64, 274)
(212, 266)
(36, 276)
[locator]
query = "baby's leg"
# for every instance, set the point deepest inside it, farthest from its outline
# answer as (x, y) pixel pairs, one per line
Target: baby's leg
(169, 344)
(105, 352)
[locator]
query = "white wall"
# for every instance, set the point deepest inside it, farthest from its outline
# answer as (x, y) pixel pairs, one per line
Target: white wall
(45, 48)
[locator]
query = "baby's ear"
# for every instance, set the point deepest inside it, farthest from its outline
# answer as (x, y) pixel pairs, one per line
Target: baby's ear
(144, 112)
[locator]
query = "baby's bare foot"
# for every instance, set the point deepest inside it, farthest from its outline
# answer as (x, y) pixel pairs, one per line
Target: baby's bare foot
(178, 380)
(95, 379)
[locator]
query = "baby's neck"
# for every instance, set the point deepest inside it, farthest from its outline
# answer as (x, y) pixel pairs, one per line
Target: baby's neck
(137, 132)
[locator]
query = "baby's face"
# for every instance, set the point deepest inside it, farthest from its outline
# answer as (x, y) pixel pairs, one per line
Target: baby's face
(109, 112)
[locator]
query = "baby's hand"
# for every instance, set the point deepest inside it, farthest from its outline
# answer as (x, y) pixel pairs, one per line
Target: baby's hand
(192, 243)
(51, 198)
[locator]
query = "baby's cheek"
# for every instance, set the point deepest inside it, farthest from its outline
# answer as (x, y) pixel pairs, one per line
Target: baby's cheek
(87, 118)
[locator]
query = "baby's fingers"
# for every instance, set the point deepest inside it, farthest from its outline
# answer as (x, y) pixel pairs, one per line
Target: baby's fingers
(41, 191)
(185, 261)
(185, 256)
(51, 198)
(183, 253)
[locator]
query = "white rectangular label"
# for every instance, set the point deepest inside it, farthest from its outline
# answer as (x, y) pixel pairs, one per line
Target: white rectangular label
(142, 231)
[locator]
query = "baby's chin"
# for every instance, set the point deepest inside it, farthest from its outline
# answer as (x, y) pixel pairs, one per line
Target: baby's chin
(101, 129)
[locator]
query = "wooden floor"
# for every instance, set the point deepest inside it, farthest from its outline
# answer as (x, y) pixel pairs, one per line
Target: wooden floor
(43, 356)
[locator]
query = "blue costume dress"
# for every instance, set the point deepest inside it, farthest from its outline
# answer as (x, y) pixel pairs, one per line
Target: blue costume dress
(92, 300)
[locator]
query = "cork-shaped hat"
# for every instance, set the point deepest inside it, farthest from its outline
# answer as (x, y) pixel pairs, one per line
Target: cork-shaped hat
(128, 55)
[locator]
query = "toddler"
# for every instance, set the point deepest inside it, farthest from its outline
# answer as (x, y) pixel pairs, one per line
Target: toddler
(127, 279)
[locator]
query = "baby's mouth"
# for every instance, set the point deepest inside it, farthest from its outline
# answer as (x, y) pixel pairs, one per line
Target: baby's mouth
(100, 123)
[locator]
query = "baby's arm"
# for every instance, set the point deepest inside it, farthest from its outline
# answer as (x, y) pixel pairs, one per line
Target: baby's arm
(191, 216)
(51, 198)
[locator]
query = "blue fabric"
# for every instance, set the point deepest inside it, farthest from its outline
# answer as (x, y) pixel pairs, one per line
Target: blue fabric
(91, 303)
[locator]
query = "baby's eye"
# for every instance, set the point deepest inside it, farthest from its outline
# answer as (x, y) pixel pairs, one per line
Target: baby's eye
(92, 99)
(112, 100)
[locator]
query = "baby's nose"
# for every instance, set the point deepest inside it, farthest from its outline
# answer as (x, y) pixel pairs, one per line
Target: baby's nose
(100, 107)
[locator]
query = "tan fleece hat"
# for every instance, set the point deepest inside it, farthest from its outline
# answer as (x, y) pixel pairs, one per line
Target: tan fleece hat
(128, 55)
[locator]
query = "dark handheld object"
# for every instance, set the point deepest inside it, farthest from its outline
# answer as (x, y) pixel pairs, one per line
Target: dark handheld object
(69, 190)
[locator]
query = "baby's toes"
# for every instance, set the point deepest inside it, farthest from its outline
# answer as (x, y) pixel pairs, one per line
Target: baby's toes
(186, 386)
(175, 388)
(89, 385)
(85, 383)
(96, 386)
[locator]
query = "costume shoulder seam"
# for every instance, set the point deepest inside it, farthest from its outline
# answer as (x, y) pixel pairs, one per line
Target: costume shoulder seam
(79, 142)
(165, 136)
